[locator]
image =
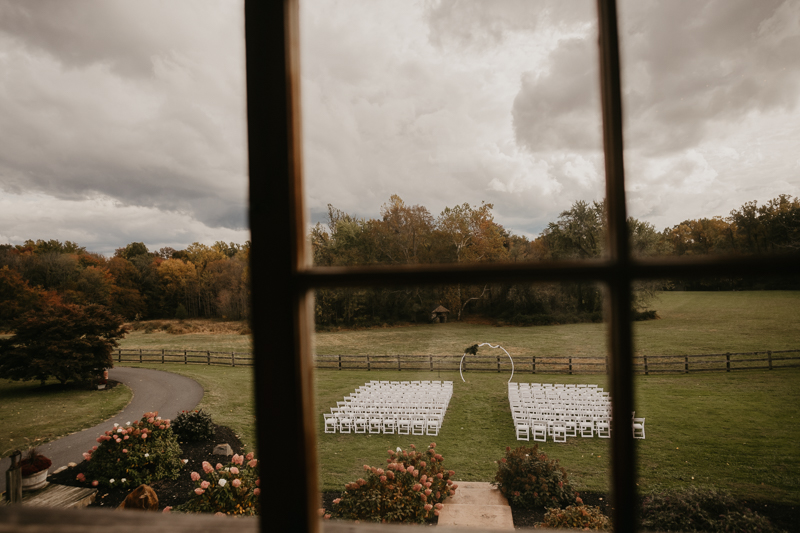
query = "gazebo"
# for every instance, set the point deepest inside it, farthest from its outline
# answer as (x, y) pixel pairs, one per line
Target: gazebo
(439, 314)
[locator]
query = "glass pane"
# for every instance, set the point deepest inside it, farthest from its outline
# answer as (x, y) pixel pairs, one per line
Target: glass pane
(712, 125)
(123, 183)
(717, 400)
(452, 132)
(371, 375)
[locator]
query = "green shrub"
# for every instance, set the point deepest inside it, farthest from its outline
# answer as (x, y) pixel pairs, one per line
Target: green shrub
(193, 426)
(411, 489)
(181, 313)
(577, 517)
(528, 479)
(694, 509)
(232, 489)
(142, 452)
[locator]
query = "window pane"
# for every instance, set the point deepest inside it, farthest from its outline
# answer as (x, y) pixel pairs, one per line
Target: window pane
(712, 125)
(368, 359)
(718, 397)
(455, 132)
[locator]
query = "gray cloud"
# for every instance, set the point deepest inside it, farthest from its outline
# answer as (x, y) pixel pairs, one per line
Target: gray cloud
(140, 102)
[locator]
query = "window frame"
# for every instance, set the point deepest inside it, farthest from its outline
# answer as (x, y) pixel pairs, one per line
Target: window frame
(283, 281)
(278, 233)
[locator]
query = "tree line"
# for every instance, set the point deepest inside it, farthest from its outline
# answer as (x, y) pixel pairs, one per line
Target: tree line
(213, 281)
(410, 234)
(136, 283)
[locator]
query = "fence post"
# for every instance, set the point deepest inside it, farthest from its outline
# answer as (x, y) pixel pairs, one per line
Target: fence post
(140, 355)
(162, 356)
(728, 362)
(769, 358)
(646, 372)
(606, 365)
(430, 360)
(686, 364)
(398, 362)
(340, 361)
(185, 359)
(368, 365)
(498, 364)
(119, 356)
(570, 365)
(533, 365)
(233, 359)
(208, 357)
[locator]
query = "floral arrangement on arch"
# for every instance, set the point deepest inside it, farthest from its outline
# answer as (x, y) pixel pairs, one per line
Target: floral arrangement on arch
(140, 452)
(232, 489)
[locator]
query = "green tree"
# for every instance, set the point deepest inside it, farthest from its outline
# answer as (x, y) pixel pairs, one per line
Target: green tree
(68, 342)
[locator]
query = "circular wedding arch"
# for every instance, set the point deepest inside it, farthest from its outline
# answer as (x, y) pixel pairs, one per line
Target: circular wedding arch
(461, 363)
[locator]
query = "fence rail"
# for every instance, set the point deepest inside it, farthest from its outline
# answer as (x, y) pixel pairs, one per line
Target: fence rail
(525, 364)
(187, 357)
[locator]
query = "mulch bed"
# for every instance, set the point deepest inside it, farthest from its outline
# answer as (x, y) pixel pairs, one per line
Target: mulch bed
(170, 492)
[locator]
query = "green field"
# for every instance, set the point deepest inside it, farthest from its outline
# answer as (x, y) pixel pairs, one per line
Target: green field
(690, 323)
(31, 414)
(738, 431)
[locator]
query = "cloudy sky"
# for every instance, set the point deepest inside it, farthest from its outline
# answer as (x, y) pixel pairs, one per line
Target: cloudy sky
(125, 121)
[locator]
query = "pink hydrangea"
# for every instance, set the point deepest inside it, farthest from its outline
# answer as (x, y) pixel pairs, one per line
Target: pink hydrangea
(124, 450)
(428, 492)
(95, 483)
(252, 463)
(204, 484)
(198, 491)
(234, 470)
(236, 483)
(126, 437)
(80, 477)
(336, 501)
(238, 459)
(258, 482)
(438, 505)
(195, 476)
(256, 492)
(249, 456)
(144, 436)
(100, 439)
(207, 468)
(428, 507)
(167, 509)
(219, 466)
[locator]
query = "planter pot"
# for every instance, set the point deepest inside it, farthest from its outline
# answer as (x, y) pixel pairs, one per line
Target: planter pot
(34, 481)
(101, 387)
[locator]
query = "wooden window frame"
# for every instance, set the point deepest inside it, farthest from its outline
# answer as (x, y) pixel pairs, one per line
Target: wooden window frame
(283, 281)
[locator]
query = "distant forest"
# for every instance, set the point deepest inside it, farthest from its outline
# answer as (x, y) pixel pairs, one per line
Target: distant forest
(213, 281)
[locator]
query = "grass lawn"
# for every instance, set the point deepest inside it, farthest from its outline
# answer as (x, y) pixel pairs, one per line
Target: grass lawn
(736, 431)
(228, 395)
(31, 414)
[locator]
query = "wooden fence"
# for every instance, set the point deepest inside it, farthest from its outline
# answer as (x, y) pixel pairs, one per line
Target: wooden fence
(533, 364)
(187, 357)
(524, 364)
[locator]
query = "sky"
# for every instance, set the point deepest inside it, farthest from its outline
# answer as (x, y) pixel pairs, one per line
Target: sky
(125, 121)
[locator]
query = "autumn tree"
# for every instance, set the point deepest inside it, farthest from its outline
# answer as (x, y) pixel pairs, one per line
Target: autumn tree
(68, 342)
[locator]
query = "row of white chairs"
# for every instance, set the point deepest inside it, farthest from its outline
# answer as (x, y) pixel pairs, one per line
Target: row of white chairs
(563, 411)
(402, 407)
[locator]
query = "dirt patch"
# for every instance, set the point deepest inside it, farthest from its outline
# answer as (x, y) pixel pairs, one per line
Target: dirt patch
(169, 492)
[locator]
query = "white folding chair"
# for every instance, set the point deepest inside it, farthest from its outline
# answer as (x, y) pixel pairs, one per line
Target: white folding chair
(602, 427)
(432, 425)
(523, 431)
(539, 431)
(330, 423)
(586, 426)
(418, 425)
(345, 425)
(638, 428)
(403, 425)
(559, 432)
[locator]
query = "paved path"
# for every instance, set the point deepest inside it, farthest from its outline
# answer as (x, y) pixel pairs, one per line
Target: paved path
(153, 390)
(477, 504)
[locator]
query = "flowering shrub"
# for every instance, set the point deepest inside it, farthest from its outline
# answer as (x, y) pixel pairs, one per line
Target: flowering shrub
(411, 489)
(693, 509)
(142, 452)
(232, 489)
(193, 426)
(577, 517)
(529, 479)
